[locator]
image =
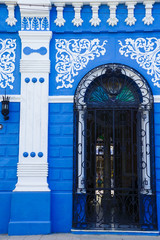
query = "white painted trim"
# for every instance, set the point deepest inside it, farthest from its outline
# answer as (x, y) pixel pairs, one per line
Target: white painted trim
(12, 98)
(61, 99)
(156, 98)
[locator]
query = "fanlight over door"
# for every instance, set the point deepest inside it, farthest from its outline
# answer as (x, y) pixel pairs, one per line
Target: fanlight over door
(114, 181)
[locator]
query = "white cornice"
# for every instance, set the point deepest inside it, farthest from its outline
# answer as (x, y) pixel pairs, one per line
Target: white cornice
(85, 2)
(34, 2)
(88, 2)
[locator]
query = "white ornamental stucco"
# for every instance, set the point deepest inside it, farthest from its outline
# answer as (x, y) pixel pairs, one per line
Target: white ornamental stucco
(146, 52)
(7, 62)
(72, 56)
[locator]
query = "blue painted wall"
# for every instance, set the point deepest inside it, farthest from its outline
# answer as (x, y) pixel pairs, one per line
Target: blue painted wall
(60, 145)
(60, 165)
(9, 147)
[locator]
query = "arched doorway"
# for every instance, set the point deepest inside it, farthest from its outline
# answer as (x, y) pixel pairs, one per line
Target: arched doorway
(114, 181)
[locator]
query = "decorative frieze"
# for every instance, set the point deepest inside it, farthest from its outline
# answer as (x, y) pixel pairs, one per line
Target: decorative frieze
(35, 24)
(72, 56)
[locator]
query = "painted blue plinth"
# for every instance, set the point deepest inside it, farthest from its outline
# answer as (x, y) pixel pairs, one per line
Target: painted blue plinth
(30, 213)
(5, 203)
(61, 212)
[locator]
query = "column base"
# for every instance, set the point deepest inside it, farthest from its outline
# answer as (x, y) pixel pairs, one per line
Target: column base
(30, 213)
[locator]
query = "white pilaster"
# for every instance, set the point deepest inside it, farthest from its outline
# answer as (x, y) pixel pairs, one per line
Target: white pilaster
(33, 142)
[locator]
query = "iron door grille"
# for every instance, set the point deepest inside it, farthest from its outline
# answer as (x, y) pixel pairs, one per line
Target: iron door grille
(114, 175)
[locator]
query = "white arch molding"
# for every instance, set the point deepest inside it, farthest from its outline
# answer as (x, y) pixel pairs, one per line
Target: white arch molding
(144, 107)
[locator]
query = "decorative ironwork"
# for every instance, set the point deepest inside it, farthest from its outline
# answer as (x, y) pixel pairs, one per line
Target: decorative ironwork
(114, 177)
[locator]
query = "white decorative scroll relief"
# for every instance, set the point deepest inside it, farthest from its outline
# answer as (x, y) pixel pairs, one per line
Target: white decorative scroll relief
(7, 62)
(74, 55)
(146, 52)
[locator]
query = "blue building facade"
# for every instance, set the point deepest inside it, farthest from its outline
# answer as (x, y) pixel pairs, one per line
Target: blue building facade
(54, 58)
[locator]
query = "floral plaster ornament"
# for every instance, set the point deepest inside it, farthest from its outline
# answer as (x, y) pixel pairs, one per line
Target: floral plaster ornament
(74, 55)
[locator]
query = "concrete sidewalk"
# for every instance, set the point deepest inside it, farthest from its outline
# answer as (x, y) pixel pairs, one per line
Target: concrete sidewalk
(70, 236)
